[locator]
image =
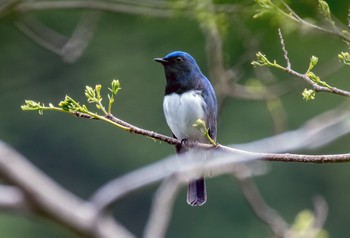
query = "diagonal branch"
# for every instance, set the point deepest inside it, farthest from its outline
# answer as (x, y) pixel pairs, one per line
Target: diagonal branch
(70, 49)
(161, 210)
(260, 207)
(46, 198)
(84, 31)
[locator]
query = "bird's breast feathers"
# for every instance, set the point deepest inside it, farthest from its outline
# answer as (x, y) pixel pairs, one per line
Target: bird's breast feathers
(182, 111)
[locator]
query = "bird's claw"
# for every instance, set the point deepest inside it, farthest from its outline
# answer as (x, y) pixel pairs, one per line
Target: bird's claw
(188, 143)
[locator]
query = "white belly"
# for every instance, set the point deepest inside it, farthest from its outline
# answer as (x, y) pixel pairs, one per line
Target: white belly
(182, 111)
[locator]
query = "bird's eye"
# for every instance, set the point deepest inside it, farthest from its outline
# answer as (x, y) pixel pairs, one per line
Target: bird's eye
(178, 59)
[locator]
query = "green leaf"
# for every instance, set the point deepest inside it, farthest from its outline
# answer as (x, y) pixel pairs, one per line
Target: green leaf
(345, 57)
(200, 124)
(261, 60)
(309, 94)
(69, 104)
(265, 7)
(115, 87)
(30, 105)
(325, 11)
(317, 80)
(313, 62)
(90, 94)
(303, 226)
(98, 88)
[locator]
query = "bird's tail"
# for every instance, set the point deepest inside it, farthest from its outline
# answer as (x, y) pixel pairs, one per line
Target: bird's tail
(196, 192)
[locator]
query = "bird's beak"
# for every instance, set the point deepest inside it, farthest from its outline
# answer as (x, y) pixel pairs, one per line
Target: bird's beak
(160, 60)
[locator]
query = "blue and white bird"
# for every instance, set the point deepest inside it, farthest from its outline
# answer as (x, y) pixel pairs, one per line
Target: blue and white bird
(189, 96)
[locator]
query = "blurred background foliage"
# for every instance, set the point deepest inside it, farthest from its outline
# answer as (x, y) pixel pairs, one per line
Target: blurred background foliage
(82, 155)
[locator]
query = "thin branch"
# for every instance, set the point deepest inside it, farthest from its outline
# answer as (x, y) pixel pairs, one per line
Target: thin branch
(308, 77)
(317, 87)
(84, 31)
(285, 52)
(70, 49)
(321, 212)
(266, 214)
(295, 17)
(94, 5)
(163, 202)
(314, 133)
(148, 8)
(41, 34)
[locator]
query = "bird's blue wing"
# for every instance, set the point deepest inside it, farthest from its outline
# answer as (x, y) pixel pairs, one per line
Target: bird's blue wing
(209, 96)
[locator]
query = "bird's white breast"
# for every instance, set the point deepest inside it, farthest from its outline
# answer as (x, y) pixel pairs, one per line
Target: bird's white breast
(182, 111)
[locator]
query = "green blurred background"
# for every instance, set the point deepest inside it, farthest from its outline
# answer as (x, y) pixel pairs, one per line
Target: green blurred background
(82, 155)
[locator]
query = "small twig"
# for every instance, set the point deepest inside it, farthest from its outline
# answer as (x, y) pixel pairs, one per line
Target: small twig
(295, 17)
(285, 52)
(317, 87)
(309, 77)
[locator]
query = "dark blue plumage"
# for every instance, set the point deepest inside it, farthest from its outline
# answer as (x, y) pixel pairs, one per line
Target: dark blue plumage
(189, 96)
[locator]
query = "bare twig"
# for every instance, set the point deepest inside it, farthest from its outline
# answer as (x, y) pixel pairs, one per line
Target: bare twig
(285, 52)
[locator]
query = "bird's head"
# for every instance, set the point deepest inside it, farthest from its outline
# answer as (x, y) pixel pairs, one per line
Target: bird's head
(178, 62)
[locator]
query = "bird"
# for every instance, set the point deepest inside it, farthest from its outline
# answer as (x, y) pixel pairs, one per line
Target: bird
(189, 96)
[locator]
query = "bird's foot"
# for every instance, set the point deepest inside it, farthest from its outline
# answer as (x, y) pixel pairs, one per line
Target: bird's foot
(188, 143)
